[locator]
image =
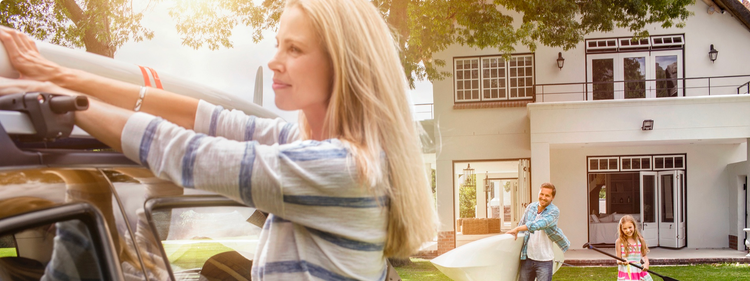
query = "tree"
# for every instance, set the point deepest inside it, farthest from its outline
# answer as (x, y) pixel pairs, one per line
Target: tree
(429, 26)
(467, 198)
(422, 27)
(101, 26)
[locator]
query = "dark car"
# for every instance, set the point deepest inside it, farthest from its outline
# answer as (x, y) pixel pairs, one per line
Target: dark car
(71, 208)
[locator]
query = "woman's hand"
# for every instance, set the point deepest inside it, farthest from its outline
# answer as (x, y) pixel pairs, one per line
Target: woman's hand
(645, 265)
(25, 57)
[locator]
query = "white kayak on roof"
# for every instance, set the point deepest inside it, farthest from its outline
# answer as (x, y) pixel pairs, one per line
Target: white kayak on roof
(492, 258)
(15, 122)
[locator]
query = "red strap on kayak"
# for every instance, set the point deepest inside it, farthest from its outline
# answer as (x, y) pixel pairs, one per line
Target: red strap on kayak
(157, 81)
(146, 80)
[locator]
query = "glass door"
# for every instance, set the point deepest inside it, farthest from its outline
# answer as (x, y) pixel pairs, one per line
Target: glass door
(634, 75)
(671, 209)
(649, 209)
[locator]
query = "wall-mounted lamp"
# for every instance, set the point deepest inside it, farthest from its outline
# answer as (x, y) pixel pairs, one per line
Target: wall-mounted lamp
(713, 53)
(560, 60)
(648, 125)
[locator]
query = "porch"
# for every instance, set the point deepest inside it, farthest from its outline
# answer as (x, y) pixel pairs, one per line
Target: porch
(659, 256)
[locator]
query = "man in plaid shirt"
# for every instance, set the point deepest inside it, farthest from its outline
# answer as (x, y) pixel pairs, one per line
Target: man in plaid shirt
(536, 254)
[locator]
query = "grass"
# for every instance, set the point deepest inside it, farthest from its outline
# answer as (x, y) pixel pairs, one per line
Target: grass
(187, 256)
(8, 252)
(421, 269)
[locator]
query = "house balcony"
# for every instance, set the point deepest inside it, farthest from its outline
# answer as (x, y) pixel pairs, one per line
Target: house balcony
(640, 89)
(701, 110)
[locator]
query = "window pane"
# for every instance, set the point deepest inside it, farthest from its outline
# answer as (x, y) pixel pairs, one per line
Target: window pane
(459, 64)
(206, 232)
(626, 164)
(612, 164)
(635, 76)
(459, 75)
(603, 79)
(666, 76)
(678, 162)
(636, 163)
(593, 164)
(646, 163)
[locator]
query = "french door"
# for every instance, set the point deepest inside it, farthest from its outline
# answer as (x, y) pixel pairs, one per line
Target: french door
(653, 74)
(663, 208)
(649, 209)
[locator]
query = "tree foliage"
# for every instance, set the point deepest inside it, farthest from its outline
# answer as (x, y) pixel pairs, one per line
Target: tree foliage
(422, 27)
(101, 26)
(467, 198)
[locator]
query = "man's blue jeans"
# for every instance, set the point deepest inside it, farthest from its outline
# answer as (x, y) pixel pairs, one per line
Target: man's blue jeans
(541, 270)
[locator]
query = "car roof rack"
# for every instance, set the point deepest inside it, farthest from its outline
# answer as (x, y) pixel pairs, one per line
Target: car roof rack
(42, 133)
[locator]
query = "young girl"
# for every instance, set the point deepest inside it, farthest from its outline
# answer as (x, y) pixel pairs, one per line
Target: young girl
(345, 187)
(632, 247)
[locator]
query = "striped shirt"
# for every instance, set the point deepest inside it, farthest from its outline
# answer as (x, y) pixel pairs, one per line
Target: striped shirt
(323, 224)
(546, 221)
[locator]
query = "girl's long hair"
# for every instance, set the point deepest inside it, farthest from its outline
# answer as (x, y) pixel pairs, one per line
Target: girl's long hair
(370, 111)
(636, 233)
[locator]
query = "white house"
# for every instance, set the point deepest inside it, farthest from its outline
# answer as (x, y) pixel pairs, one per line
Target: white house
(656, 126)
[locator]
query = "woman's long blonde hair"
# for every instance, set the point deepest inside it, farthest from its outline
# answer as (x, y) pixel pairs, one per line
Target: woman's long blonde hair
(636, 234)
(369, 109)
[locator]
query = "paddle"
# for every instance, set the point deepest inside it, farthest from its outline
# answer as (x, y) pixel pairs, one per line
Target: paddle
(665, 278)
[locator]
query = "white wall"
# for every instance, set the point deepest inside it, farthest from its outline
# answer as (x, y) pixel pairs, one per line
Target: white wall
(707, 196)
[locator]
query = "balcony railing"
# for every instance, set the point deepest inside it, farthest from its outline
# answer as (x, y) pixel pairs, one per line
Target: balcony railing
(688, 87)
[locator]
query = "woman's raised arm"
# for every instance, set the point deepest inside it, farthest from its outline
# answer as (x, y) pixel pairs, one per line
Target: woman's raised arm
(27, 60)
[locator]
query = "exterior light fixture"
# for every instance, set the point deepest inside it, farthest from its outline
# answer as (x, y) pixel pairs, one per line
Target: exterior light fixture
(561, 60)
(468, 172)
(713, 53)
(648, 125)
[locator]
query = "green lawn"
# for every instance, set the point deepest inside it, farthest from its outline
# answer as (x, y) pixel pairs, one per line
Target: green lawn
(189, 256)
(8, 252)
(421, 269)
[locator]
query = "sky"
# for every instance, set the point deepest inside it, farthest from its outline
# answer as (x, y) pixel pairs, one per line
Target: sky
(230, 70)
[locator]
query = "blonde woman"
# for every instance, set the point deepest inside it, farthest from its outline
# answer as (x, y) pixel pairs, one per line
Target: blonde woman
(345, 187)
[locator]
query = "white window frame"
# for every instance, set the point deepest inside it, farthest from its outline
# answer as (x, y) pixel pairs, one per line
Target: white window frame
(599, 161)
(508, 82)
(639, 159)
(670, 158)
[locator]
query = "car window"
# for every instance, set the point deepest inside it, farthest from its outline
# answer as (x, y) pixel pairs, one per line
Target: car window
(208, 237)
(45, 241)
(89, 185)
